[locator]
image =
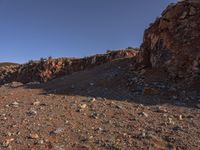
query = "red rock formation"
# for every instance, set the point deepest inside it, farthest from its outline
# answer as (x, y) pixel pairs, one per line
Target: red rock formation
(172, 42)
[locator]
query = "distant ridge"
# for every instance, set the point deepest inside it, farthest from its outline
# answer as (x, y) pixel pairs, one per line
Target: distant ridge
(3, 64)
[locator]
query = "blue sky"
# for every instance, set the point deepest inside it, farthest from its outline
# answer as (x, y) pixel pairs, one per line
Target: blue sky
(31, 29)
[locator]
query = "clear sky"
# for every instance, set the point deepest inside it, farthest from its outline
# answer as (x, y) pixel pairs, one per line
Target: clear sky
(31, 29)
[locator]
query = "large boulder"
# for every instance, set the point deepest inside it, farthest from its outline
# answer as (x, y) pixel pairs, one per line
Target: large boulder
(172, 42)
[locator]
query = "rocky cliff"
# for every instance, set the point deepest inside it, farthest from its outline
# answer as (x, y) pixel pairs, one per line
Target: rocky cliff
(47, 69)
(172, 42)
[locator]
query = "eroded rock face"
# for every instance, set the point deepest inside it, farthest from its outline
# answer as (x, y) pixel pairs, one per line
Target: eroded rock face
(47, 69)
(173, 41)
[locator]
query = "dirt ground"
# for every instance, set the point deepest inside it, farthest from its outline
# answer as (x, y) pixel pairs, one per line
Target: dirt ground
(98, 109)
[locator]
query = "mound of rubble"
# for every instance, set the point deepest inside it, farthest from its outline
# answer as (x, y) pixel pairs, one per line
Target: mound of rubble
(173, 41)
(47, 69)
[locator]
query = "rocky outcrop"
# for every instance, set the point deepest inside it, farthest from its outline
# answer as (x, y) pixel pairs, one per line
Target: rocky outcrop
(8, 72)
(172, 42)
(47, 69)
(5, 64)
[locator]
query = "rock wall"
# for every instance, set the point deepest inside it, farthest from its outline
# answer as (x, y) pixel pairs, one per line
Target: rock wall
(172, 42)
(47, 69)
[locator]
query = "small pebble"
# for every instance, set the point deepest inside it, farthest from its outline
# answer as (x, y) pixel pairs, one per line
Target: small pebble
(32, 112)
(34, 136)
(83, 106)
(144, 114)
(15, 104)
(180, 117)
(57, 131)
(36, 103)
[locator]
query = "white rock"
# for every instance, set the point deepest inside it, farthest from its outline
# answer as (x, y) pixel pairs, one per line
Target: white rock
(92, 99)
(144, 114)
(15, 104)
(180, 117)
(36, 103)
(83, 106)
(171, 121)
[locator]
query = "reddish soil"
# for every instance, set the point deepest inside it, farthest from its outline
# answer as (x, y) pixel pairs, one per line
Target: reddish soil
(94, 109)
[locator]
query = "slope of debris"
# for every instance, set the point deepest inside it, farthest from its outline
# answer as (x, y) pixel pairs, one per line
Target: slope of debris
(47, 69)
(173, 41)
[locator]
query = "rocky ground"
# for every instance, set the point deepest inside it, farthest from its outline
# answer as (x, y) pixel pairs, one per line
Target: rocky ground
(93, 109)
